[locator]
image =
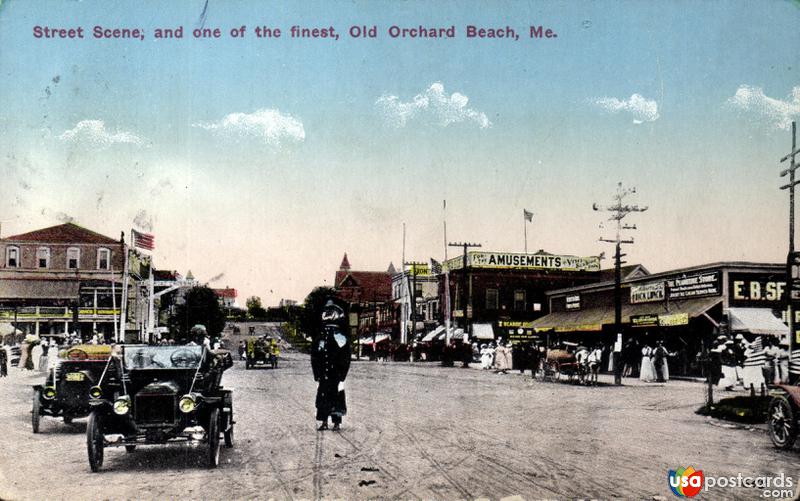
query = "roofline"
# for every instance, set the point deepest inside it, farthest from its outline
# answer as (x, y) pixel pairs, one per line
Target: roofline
(16, 237)
(655, 276)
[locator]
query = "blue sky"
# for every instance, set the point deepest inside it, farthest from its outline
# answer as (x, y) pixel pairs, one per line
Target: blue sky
(266, 159)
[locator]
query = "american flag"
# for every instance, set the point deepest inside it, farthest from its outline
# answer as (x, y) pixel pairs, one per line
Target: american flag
(143, 240)
(528, 215)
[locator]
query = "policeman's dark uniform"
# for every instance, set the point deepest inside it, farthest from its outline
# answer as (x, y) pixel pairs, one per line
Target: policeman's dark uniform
(330, 361)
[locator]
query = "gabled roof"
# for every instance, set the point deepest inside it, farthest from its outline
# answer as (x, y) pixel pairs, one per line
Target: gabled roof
(626, 272)
(68, 233)
(354, 286)
(226, 292)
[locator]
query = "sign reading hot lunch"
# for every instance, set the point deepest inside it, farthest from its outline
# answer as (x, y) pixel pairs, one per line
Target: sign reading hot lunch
(701, 284)
(647, 293)
(476, 259)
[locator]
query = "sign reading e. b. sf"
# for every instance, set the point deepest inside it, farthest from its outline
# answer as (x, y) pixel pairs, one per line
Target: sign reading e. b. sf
(747, 289)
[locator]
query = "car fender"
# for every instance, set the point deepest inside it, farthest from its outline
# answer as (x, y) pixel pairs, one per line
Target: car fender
(792, 392)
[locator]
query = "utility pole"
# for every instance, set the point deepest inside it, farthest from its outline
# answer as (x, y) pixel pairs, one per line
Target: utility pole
(465, 245)
(413, 296)
(793, 165)
(618, 211)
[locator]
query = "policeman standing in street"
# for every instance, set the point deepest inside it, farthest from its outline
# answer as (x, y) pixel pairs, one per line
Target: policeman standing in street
(330, 361)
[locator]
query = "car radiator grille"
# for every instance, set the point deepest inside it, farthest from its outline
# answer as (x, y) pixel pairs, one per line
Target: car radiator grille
(152, 409)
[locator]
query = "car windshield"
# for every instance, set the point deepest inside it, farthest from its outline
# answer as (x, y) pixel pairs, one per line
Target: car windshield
(162, 357)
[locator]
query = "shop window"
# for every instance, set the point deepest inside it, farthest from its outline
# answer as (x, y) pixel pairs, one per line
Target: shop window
(492, 299)
(519, 300)
(418, 290)
(12, 257)
(43, 257)
(103, 259)
(73, 258)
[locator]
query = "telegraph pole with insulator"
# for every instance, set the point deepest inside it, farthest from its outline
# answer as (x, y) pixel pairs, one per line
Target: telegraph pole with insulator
(793, 280)
(619, 210)
(465, 245)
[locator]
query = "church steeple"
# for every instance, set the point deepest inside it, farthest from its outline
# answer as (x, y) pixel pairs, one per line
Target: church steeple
(345, 266)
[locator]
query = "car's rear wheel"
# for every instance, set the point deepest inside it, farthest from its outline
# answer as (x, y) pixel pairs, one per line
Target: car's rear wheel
(228, 432)
(94, 441)
(782, 423)
(274, 362)
(213, 439)
(67, 419)
(36, 411)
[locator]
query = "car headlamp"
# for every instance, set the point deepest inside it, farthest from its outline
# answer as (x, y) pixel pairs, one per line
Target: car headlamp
(122, 405)
(187, 403)
(49, 393)
(95, 392)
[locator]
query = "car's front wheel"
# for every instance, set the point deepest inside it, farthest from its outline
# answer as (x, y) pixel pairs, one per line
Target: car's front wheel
(782, 423)
(94, 441)
(228, 431)
(213, 439)
(36, 411)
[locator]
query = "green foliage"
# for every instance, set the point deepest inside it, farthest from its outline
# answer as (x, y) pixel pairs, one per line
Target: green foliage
(200, 307)
(254, 308)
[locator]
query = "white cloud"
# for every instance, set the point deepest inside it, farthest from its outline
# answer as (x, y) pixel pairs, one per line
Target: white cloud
(95, 132)
(641, 108)
(433, 102)
(271, 126)
(775, 111)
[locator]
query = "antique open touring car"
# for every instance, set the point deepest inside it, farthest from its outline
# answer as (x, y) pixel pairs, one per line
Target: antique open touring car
(69, 386)
(165, 395)
(261, 350)
(783, 417)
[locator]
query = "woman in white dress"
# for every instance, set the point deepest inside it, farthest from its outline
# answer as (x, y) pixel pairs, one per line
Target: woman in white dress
(487, 357)
(728, 357)
(752, 373)
(648, 371)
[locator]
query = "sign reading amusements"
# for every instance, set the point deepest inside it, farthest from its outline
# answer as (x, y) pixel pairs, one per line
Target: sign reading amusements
(514, 261)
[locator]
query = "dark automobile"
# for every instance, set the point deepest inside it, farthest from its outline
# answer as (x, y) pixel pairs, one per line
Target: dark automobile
(166, 395)
(783, 417)
(65, 394)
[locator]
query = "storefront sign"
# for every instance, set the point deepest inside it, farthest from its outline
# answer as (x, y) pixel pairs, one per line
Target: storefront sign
(512, 261)
(690, 286)
(515, 324)
(748, 289)
(665, 320)
(574, 302)
(419, 269)
(644, 320)
(647, 293)
(673, 319)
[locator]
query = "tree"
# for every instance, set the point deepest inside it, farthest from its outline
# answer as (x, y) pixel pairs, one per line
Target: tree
(200, 306)
(254, 307)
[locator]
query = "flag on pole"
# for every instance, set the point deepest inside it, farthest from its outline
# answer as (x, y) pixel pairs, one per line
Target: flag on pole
(528, 215)
(143, 240)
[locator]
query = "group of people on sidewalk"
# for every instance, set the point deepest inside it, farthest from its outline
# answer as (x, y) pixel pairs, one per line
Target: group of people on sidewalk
(496, 357)
(750, 364)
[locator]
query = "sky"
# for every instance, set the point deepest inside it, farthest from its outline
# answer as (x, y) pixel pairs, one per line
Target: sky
(258, 162)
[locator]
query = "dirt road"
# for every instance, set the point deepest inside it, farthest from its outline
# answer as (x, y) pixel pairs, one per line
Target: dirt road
(412, 432)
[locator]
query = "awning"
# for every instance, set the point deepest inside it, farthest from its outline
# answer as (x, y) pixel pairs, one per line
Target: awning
(367, 340)
(757, 321)
(482, 331)
(593, 319)
(434, 334)
(39, 289)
